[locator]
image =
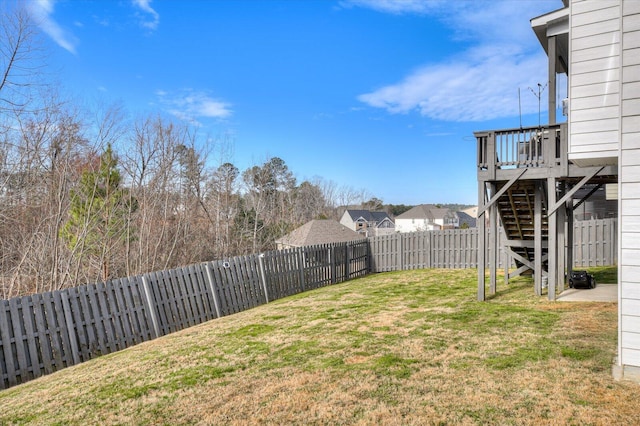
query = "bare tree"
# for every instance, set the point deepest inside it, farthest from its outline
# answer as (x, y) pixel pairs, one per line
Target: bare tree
(225, 199)
(309, 203)
(42, 151)
(20, 57)
(268, 200)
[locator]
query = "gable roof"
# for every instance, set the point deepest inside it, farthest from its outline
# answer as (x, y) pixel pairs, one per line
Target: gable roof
(467, 218)
(426, 211)
(367, 215)
(471, 211)
(422, 211)
(319, 231)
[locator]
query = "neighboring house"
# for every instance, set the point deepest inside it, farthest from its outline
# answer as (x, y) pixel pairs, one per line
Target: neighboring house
(596, 44)
(426, 217)
(465, 220)
(471, 211)
(368, 223)
(319, 231)
(601, 204)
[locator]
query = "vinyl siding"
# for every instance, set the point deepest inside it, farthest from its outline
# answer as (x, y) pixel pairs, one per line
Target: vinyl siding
(629, 177)
(594, 82)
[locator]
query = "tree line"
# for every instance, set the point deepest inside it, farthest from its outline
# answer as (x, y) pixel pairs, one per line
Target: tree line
(88, 193)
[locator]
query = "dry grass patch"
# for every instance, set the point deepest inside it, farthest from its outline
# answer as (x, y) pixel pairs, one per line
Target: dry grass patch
(395, 348)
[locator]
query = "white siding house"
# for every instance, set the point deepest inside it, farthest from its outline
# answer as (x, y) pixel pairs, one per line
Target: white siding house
(594, 82)
(426, 217)
(604, 129)
(628, 364)
(368, 223)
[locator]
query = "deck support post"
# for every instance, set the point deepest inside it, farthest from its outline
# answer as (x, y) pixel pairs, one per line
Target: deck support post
(507, 264)
(493, 241)
(481, 242)
(553, 240)
(552, 79)
(562, 242)
(537, 237)
(569, 237)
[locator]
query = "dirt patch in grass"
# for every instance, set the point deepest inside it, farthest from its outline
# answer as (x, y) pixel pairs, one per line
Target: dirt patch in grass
(396, 348)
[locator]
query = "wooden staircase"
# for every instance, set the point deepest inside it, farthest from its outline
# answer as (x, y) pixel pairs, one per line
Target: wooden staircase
(516, 209)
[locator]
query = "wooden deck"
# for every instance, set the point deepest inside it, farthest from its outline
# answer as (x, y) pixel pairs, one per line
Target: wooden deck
(527, 182)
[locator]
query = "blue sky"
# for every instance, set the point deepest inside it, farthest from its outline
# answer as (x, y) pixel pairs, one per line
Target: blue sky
(380, 95)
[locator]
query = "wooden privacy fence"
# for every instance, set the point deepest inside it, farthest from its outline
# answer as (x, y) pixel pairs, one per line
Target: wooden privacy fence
(455, 248)
(43, 333)
(594, 244)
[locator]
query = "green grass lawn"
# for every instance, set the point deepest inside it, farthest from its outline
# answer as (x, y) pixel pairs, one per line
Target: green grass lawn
(603, 274)
(393, 348)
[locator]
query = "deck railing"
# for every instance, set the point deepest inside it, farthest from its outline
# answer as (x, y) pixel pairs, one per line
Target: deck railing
(525, 147)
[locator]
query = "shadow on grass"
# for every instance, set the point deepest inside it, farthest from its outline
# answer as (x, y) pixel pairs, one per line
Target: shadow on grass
(518, 288)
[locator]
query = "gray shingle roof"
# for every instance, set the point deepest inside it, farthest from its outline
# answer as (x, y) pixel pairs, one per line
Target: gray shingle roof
(367, 215)
(319, 231)
(467, 218)
(423, 211)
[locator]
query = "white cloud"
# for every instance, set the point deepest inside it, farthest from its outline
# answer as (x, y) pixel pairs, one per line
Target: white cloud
(396, 6)
(190, 105)
(480, 83)
(42, 13)
(152, 19)
(464, 90)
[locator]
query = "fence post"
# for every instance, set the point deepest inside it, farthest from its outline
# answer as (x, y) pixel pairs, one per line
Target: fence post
(400, 253)
(263, 276)
(301, 267)
(212, 289)
(150, 307)
(332, 265)
(346, 262)
(429, 239)
(71, 329)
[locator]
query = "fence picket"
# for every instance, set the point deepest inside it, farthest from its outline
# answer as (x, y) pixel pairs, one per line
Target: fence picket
(237, 287)
(66, 350)
(188, 302)
(90, 345)
(44, 342)
(230, 287)
(135, 319)
(31, 337)
(151, 306)
(163, 299)
(219, 286)
(15, 309)
(6, 336)
(213, 289)
(195, 298)
(98, 319)
(69, 332)
(79, 324)
(106, 321)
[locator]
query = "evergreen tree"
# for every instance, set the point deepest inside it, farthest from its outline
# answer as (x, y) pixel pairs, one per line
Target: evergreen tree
(99, 214)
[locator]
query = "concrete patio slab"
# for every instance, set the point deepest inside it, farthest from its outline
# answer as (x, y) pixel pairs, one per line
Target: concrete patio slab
(602, 293)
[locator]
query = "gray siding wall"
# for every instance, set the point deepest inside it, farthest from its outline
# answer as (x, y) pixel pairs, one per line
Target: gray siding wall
(594, 82)
(629, 177)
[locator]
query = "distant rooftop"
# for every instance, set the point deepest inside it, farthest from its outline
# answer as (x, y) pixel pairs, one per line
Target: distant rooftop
(424, 211)
(319, 231)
